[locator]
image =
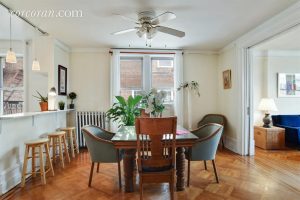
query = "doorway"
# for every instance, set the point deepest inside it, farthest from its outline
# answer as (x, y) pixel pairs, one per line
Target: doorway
(273, 84)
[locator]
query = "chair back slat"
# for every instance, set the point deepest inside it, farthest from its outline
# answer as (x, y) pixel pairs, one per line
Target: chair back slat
(156, 139)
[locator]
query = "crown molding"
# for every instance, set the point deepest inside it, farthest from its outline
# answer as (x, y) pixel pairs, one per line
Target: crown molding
(203, 52)
(62, 45)
(90, 50)
(277, 53)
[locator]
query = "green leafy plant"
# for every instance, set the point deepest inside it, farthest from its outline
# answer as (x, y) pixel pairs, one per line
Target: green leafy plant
(124, 112)
(41, 98)
(193, 86)
(61, 103)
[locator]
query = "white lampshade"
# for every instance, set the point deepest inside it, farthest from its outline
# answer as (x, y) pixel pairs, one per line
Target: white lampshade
(11, 57)
(267, 104)
(52, 92)
(36, 65)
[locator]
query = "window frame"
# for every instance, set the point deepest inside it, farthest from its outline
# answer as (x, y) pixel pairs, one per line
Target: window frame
(23, 88)
(147, 70)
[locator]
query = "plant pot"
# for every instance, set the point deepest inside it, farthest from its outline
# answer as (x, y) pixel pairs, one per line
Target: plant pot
(44, 106)
(72, 106)
(144, 114)
(62, 107)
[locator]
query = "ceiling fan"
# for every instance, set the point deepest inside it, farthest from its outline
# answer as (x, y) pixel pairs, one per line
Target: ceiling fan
(148, 25)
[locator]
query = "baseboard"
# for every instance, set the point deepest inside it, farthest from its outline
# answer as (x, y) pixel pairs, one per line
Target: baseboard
(231, 143)
(10, 178)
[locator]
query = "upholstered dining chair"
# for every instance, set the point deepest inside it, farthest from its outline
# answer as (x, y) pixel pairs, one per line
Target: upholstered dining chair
(101, 148)
(206, 146)
(213, 118)
(156, 151)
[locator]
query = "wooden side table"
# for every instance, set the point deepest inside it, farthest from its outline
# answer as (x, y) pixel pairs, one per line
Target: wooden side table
(269, 138)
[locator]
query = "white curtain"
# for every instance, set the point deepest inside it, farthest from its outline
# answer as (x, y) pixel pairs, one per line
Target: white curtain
(114, 75)
(178, 73)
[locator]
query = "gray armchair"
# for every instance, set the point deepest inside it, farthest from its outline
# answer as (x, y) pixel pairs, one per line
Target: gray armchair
(101, 148)
(206, 146)
(213, 118)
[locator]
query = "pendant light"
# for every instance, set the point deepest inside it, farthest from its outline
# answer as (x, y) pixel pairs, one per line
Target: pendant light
(35, 63)
(10, 56)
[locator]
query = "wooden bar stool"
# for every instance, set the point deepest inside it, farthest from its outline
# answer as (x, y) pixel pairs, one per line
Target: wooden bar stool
(71, 136)
(58, 140)
(33, 145)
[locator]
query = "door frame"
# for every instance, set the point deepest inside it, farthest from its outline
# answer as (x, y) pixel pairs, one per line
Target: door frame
(281, 23)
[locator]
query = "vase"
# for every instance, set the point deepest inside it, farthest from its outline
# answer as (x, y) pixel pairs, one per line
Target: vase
(144, 114)
(61, 107)
(72, 106)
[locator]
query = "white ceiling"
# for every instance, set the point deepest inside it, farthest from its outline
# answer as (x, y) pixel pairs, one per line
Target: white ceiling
(209, 24)
(288, 41)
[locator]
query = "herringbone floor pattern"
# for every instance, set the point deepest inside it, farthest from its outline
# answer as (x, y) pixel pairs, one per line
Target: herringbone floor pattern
(269, 175)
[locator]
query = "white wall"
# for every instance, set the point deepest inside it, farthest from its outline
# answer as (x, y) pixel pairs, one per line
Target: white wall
(91, 80)
(260, 84)
(227, 105)
(91, 75)
(266, 68)
(201, 67)
(50, 54)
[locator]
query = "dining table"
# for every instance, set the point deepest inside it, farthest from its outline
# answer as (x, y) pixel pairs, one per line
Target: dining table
(125, 139)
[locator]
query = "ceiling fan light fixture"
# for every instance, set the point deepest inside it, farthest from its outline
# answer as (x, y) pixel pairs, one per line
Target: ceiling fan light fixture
(151, 33)
(140, 33)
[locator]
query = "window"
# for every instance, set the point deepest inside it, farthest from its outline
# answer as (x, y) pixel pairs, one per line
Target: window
(163, 76)
(131, 79)
(12, 86)
(140, 73)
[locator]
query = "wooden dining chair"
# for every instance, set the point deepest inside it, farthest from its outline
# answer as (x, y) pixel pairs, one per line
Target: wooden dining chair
(205, 147)
(101, 148)
(156, 151)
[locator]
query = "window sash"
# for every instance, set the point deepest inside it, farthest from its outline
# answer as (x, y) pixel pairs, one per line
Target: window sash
(4, 88)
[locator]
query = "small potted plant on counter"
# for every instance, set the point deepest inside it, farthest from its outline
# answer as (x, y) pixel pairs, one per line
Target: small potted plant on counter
(61, 105)
(43, 101)
(72, 96)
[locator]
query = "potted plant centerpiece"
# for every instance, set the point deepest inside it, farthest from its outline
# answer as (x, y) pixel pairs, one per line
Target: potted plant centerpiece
(124, 111)
(153, 102)
(72, 96)
(43, 101)
(61, 105)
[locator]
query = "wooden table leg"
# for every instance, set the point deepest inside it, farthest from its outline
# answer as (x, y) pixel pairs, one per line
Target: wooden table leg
(128, 164)
(180, 166)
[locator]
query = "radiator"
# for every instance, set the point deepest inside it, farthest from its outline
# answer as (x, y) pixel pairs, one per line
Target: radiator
(84, 118)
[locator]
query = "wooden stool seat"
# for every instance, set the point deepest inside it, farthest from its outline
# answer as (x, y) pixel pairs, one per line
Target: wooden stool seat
(58, 139)
(67, 129)
(32, 145)
(37, 141)
(56, 133)
(72, 139)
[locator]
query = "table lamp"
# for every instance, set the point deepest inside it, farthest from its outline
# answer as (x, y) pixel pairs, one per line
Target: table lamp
(267, 105)
(52, 99)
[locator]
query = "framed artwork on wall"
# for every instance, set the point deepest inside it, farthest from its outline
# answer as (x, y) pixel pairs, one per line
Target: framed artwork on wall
(62, 80)
(227, 79)
(288, 84)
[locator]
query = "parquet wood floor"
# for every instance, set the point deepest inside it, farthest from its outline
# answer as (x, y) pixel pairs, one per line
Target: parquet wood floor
(269, 175)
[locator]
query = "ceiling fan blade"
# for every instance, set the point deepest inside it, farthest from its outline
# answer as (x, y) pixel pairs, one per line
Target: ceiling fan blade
(124, 31)
(129, 19)
(170, 31)
(163, 18)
